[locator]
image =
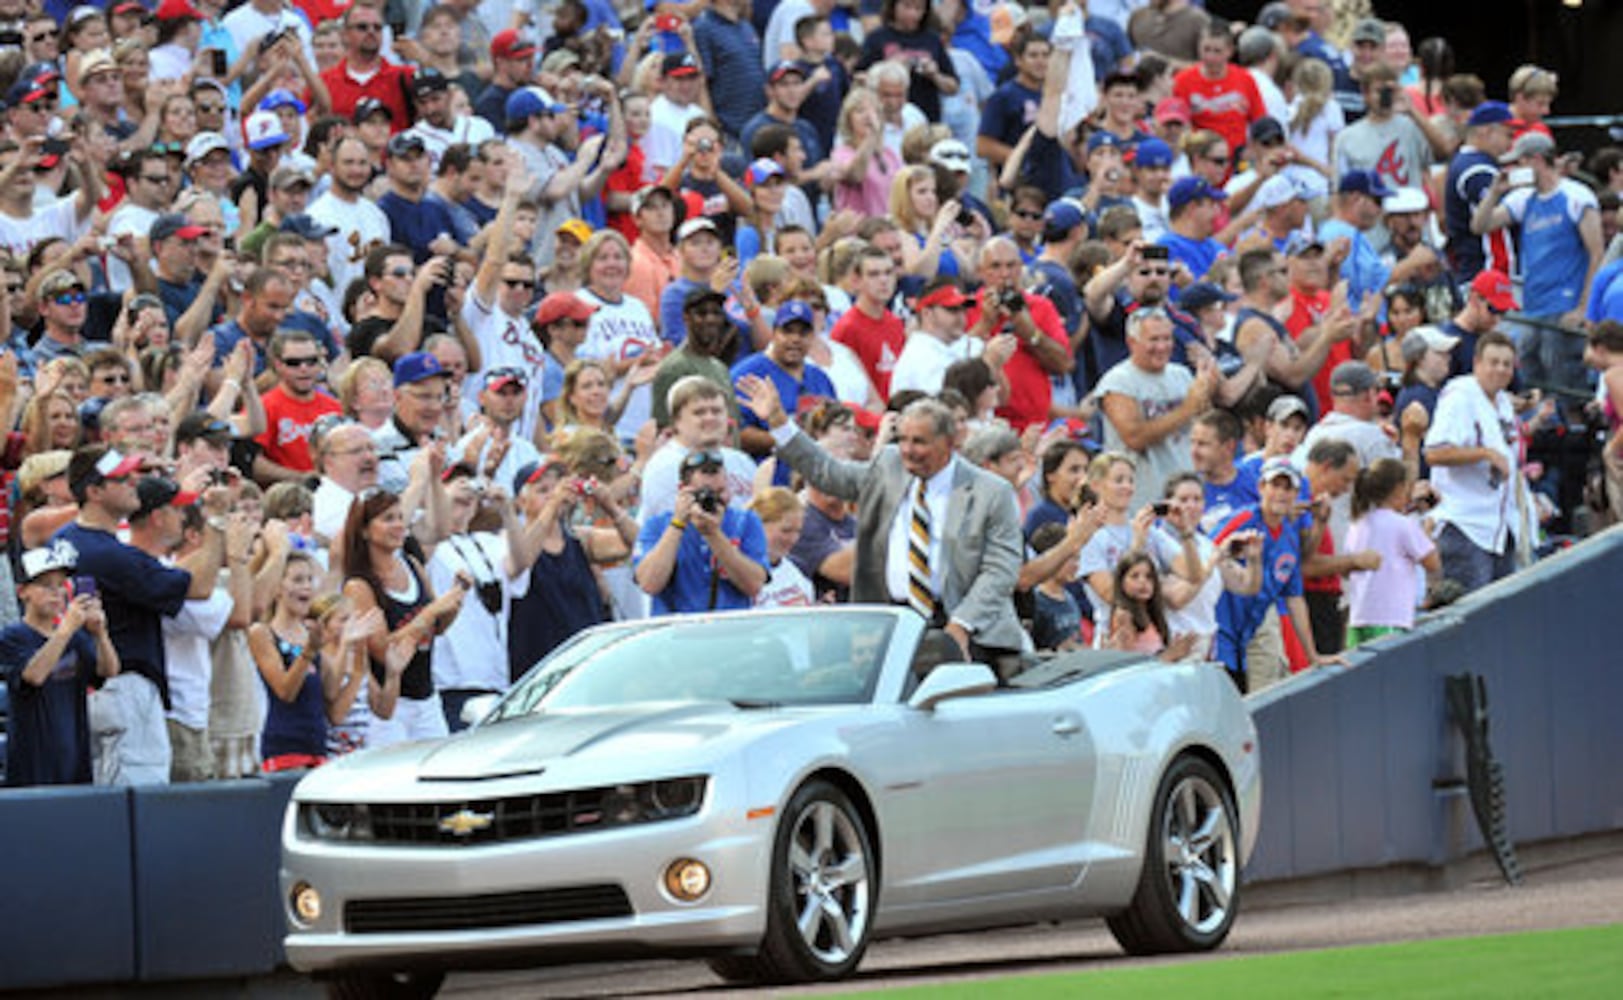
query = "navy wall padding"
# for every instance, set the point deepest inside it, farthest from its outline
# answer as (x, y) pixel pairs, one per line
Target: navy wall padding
(1352, 758)
(68, 916)
(205, 890)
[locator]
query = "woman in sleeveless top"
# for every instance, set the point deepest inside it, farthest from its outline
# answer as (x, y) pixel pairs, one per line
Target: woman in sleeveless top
(287, 651)
(350, 693)
(382, 575)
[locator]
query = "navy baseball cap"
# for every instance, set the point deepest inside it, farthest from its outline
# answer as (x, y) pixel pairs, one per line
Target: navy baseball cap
(1192, 188)
(1490, 113)
(415, 367)
(793, 311)
(526, 102)
(1202, 294)
(1363, 182)
(1102, 139)
(1063, 216)
(306, 226)
(1266, 130)
(366, 107)
(1152, 152)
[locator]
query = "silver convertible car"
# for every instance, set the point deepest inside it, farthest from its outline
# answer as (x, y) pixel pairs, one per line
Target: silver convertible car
(773, 791)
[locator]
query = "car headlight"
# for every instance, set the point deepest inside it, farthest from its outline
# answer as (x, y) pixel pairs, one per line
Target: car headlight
(329, 821)
(645, 802)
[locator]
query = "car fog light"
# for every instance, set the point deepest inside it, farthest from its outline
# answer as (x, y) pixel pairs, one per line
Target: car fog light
(306, 902)
(687, 879)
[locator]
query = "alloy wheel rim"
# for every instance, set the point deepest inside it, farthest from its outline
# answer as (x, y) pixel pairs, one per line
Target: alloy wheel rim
(1200, 856)
(829, 871)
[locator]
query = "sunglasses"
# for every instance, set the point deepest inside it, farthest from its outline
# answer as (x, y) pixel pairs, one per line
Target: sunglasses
(1026, 213)
(1153, 272)
(117, 378)
(70, 298)
(164, 179)
(518, 282)
(42, 37)
(367, 28)
(210, 109)
(307, 361)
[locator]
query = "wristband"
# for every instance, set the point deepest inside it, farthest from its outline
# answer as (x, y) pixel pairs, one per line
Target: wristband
(679, 525)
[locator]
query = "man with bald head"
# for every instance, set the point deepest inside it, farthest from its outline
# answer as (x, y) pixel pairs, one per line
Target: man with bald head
(1043, 351)
(347, 458)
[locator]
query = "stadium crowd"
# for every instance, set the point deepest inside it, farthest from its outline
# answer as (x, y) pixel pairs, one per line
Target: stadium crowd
(359, 356)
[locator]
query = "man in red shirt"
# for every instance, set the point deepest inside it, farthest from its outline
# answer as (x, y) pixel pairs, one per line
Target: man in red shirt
(1043, 349)
(363, 72)
(869, 327)
(1223, 97)
(291, 407)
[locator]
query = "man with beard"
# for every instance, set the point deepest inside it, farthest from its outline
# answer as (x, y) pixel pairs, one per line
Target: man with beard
(344, 207)
(710, 337)
(1292, 364)
(415, 221)
(784, 362)
(437, 125)
(1135, 280)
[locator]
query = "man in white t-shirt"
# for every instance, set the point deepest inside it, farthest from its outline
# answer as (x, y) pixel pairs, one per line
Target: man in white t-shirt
(699, 423)
(344, 207)
(496, 448)
(1149, 403)
(939, 340)
(22, 225)
(439, 126)
(1353, 418)
(252, 21)
(671, 111)
(146, 194)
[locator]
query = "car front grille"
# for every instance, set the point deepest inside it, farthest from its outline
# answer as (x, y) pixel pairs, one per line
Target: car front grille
(522, 817)
(468, 913)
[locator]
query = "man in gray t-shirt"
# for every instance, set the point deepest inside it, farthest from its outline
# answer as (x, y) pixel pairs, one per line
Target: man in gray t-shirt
(1149, 403)
(1394, 139)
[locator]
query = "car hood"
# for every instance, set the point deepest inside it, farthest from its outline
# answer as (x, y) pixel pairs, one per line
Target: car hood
(567, 749)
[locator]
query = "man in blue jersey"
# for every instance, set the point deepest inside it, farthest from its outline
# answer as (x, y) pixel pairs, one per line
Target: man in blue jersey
(1470, 172)
(1561, 249)
(1273, 517)
(1193, 205)
(1213, 440)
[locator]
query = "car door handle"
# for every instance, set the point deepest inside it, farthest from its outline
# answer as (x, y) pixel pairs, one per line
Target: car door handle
(1066, 725)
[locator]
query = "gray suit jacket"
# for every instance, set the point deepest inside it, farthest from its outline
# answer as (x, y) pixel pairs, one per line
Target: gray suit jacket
(982, 545)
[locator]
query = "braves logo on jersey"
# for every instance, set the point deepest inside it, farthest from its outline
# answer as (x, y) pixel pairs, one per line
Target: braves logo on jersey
(1393, 166)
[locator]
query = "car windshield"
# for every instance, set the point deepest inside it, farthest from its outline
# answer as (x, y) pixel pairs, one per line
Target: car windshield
(751, 660)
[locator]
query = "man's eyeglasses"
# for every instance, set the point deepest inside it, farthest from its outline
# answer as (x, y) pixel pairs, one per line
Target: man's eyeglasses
(518, 282)
(116, 378)
(1221, 161)
(360, 449)
(70, 298)
(1153, 272)
(306, 361)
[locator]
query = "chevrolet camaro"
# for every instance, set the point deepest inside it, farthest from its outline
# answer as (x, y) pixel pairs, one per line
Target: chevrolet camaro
(772, 791)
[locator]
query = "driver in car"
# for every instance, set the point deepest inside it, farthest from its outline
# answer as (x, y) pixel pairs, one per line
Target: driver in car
(703, 555)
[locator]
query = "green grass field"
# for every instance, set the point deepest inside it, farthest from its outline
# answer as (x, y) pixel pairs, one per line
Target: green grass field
(1587, 962)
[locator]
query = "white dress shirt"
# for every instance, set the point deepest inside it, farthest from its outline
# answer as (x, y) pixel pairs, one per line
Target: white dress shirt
(937, 493)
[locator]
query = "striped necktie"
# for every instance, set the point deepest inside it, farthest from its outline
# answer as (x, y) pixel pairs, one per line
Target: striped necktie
(919, 595)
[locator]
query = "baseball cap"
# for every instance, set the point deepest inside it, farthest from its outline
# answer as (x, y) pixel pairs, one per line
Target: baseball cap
(700, 225)
(1425, 338)
(201, 424)
(1276, 191)
(90, 466)
(948, 296)
(1489, 113)
(428, 80)
(1278, 466)
(563, 305)
(1405, 201)
(704, 458)
(416, 367)
(1301, 243)
(204, 143)
(59, 280)
(1173, 109)
(510, 44)
(1103, 140)
(950, 154)
(366, 107)
(1202, 294)
(1363, 182)
(287, 176)
(406, 144)
(1351, 377)
(1369, 30)
(784, 68)
(559, 60)
(680, 64)
(1266, 130)
(1272, 15)
(305, 225)
(40, 466)
(1529, 144)
(264, 130)
(96, 61)
(158, 492)
(499, 378)
(1188, 189)
(528, 473)
(59, 555)
(575, 228)
(1285, 407)
(642, 197)
(761, 171)
(29, 89)
(700, 295)
(1152, 152)
(177, 10)
(282, 99)
(173, 225)
(1062, 216)
(793, 311)
(1495, 287)
(526, 102)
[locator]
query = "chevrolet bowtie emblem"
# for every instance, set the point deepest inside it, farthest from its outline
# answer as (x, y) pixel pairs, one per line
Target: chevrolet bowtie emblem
(465, 822)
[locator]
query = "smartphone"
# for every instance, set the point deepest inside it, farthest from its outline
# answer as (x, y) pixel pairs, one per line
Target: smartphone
(217, 66)
(1086, 496)
(1161, 507)
(1157, 253)
(84, 586)
(1520, 177)
(668, 22)
(1387, 96)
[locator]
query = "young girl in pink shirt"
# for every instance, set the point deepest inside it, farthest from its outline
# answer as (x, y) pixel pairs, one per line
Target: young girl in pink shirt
(1383, 600)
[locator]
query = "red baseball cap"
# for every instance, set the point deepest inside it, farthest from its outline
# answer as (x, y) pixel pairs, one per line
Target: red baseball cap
(866, 419)
(563, 305)
(945, 297)
(510, 44)
(178, 10)
(1173, 109)
(1495, 287)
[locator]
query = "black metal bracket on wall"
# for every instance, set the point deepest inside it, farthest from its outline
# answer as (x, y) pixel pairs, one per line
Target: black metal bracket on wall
(1467, 698)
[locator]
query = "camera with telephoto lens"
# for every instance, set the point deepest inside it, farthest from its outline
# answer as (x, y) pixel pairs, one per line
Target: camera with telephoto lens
(708, 500)
(1011, 299)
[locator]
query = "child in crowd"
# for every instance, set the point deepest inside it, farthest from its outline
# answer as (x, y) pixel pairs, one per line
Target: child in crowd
(1056, 622)
(783, 517)
(1382, 601)
(1138, 616)
(287, 650)
(48, 659)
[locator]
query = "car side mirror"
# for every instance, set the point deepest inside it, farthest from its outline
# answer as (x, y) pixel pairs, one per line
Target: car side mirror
(952, 680)
(476, 708)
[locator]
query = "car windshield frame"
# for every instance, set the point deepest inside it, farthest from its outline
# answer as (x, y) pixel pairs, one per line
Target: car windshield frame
(750, 659)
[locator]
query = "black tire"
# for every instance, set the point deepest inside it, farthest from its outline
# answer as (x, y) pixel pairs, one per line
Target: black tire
(1197, 914)
(822, 856)
(385, 986)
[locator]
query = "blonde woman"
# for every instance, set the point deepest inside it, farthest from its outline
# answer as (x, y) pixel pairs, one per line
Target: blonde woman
(863, 165)
(927, 250)
(1315, 117)
(366, 391)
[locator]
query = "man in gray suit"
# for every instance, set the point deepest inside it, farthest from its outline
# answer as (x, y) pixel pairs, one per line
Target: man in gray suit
(933, 531)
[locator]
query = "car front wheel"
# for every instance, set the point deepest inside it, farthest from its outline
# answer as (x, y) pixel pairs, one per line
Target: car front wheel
(820, 908)
(1188, 892)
